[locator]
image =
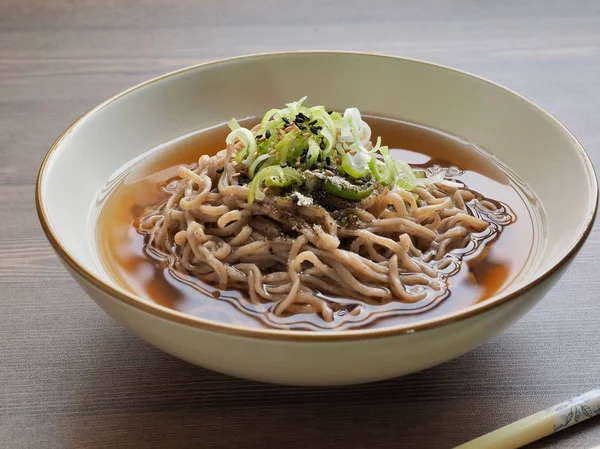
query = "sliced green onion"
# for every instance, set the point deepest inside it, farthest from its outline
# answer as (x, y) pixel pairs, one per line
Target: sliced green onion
(296, 150)
(357, 129)
(401, 184)
(355, 165)
(304, 110)
(272, 176)
(321, 114)
(377, 145)
(383, 171)
(313, 153)
(406, 176)
(424, 180)
(295, 105)
(343, 189)
(233, 124)
(378, 169)
(330, 142)
(263, 157)
(345, 126)
(328, 132)
(239, 156)
(248, 140)
(290, 177)
(285, 144)
(268, 117)
(347, 134)
(264, 146)
(353, 118)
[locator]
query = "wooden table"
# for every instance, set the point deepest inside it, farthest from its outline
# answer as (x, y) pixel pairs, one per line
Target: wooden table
(71, 377)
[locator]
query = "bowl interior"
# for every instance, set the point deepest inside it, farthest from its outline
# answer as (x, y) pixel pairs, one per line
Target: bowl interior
(537, 147)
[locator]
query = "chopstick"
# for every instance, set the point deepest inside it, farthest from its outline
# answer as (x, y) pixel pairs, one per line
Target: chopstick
(541, 424)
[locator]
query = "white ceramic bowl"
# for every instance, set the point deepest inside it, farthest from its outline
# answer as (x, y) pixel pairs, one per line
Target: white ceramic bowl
(528, 139)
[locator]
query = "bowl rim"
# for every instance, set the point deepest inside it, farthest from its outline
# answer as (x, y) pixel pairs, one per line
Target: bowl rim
(128, 298)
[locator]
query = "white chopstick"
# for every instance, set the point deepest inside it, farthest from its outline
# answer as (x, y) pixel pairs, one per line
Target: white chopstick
(541, 424)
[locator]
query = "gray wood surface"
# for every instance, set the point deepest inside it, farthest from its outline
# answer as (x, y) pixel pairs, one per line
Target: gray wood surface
(71, 377)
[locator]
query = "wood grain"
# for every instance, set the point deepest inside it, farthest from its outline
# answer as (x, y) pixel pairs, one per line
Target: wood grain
(71, 377)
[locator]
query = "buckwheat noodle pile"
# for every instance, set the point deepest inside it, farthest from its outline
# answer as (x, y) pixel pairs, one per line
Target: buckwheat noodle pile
(297, 257)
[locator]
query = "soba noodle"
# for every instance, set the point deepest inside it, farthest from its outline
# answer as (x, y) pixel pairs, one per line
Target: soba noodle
(296, 255)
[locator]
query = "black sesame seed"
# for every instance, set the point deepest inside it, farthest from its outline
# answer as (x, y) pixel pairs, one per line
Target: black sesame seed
(314, 130)
(283, 164)
(299, 119)
(300, 114)
(268, 134)
(301, 127)
(330, 112)
(303, 159)
(319, 127)
(319, 158)
(328, 160)
(286, 121)
(322, 145)
(220, 170)
(314, 122)
(258, 136)
(305, 152)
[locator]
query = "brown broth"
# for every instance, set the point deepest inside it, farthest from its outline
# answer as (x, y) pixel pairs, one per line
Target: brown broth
(482, 274)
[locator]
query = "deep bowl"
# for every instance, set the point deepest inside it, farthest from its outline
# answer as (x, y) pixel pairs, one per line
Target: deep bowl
(521, 134)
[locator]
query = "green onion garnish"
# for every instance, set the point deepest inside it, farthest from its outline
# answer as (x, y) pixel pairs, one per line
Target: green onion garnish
(313, 139)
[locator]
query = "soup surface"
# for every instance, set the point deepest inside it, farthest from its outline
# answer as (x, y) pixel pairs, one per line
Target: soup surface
(482, 274)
